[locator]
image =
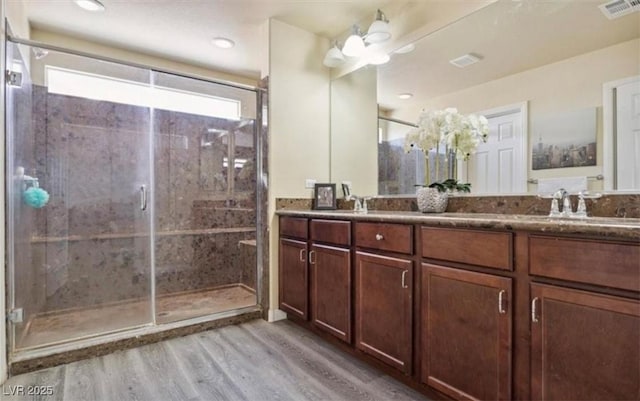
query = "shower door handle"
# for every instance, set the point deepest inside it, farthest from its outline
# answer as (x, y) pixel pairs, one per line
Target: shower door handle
(143, 197)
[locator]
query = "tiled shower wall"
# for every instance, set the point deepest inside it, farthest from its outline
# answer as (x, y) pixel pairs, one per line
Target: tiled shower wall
(88, 248)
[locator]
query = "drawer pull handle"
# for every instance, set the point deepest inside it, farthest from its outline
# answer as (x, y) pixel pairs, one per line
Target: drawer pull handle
(303, 255)
(534, 317)
(379, 237)
(312, 259)
(501, 309)
(404, 274)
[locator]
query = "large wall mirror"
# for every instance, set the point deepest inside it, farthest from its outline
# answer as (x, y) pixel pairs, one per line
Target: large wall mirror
(559, 82)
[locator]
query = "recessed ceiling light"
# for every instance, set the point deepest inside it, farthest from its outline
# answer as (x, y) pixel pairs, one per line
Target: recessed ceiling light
(405, 96)
(90, 5)
(406, 49)
(223, 43)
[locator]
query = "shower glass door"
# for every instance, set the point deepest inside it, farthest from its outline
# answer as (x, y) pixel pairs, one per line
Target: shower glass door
(80, 261)
(205, 197)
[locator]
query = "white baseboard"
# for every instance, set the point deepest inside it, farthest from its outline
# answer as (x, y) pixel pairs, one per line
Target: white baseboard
(276, 314)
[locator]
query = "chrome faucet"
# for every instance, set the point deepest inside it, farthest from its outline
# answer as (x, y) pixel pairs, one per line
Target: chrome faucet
(567, 210)
(581, 211)
(563, 196)
(359, 203)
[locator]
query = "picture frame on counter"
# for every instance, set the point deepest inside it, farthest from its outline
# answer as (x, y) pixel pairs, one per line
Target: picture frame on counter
(324, 196)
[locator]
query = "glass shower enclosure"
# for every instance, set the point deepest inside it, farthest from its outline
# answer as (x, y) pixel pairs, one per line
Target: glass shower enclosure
(131, 197)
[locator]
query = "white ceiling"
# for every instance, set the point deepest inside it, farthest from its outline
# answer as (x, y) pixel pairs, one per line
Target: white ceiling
(182, 30)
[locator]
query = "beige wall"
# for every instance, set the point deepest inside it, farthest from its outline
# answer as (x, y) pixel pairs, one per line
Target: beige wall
(18, 25)
(15, 13)
(298, 122)
(568, 85)
(354, 122)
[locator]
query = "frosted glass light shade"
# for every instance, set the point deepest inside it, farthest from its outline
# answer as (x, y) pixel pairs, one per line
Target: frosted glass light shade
(90, 5)
(333, 58)
(378, 32)
(378, 58)
(374, 55)
(354, 46)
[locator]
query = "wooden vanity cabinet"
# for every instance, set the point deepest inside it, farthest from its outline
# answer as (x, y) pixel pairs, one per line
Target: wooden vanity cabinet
(294, 273)
(466, 322)
(384, 293)
(499, 315)
(584, 345)
(384, 309)
(330, 264)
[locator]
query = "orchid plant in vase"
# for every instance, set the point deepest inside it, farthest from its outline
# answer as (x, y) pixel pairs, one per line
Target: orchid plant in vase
(449, 133)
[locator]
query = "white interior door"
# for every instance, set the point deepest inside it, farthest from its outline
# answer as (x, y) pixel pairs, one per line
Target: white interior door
(628, 136)
(499, 165)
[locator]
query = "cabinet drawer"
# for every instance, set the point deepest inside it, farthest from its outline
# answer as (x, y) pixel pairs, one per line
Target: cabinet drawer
(474, 247)
(331, 231)
(385, 237)
(294, 227)
(611, 264)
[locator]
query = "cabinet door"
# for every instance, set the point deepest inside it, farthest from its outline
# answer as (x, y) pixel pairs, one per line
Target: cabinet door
(584, 346)
(384, 309)
(294, 285)
(331, 290)
(466, 333)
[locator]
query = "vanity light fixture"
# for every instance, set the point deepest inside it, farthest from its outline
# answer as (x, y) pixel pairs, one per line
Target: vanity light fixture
(334, 57)
(379, 30)
(90, 5)
(405, 96)
(356, 44)
(223, 43)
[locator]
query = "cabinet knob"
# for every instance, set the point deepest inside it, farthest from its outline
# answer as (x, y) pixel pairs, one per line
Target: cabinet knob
(312, 259)
(379, 237)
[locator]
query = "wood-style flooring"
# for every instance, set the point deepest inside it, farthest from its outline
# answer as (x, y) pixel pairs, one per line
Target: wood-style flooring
(253, 361)
(67, 325)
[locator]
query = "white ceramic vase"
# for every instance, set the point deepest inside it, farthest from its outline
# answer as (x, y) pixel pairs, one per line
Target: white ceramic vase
(430, 200)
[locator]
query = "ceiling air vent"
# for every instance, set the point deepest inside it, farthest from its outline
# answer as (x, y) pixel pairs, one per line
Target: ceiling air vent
(466, 60)
(618, 8)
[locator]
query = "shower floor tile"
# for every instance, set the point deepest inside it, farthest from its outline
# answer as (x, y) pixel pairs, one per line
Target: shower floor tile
(68, 325)
(181, 306)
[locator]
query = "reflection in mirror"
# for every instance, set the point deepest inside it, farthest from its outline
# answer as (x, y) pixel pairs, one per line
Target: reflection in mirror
(398, 170)
(538, 62)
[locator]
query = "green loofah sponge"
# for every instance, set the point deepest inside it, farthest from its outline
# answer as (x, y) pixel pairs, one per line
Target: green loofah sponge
(35, 197)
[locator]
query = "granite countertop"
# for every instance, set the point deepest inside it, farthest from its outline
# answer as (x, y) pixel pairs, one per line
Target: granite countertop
(608, 227)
